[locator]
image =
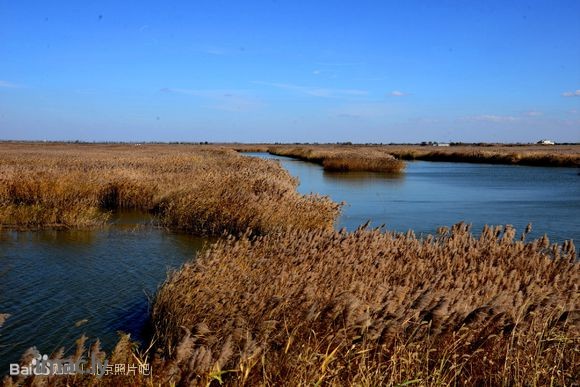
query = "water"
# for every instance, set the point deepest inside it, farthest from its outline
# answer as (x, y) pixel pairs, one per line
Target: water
(58, 285)
(433, 194)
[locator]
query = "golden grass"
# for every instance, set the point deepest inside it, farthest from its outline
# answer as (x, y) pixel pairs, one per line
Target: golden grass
(533, 155)
(541, 155)
(294, 302)
(362, 308)
(335, 159)
(372, 308)
(198, 189)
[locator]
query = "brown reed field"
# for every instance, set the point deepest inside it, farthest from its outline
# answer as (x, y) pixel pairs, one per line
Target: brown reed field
(532, 155)
(198, 189)
(336, 159)
(372, 157)
(290, 301)
(373, 308)
(366, 308)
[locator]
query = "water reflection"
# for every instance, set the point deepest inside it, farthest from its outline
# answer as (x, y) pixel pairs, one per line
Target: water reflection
(361, 178)
(58, 285)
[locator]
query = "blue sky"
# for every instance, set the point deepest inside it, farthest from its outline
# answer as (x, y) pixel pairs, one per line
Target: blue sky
(267, 71)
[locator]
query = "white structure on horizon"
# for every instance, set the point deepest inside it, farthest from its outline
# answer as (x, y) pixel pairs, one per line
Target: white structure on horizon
(546, 142)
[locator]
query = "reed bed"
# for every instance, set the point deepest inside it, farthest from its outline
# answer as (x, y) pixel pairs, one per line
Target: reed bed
(367, 308)
(370, 160)
(532, 155)
(199, 189)
(373, 308)
(546, 156)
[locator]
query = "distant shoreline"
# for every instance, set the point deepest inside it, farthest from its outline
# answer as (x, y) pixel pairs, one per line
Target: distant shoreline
(529, 155)
(558, 155)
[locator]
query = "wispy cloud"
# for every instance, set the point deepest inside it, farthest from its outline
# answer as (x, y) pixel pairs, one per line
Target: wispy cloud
(222, 50)
(371, 78)
(221, 99)
(316, 91)
(575, 93)
(490, 118)
(325, 73)
(9, 85)
(340, 64)
(533, 113)
(397, 93)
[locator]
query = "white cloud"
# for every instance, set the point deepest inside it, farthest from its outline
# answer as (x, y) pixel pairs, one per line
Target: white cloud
(397, 93)
(533, 113)
(340, 64)
(491, 118)
(8, 85)
(571, 93)
(317, 91)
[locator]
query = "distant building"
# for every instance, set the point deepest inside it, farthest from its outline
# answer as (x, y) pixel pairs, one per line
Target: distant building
(546, 142)
(434, 143)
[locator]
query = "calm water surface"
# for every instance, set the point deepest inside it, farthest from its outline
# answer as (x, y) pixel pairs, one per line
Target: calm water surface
(433, 194)
(52, 281)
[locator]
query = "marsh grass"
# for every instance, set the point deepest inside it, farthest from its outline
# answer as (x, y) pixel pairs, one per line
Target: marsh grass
(293, 302)
(366, 308)
(197, 189)
(532, 155)
(344, 160)
(373, 308)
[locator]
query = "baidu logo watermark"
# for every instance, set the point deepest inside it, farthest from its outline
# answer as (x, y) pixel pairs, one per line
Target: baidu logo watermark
(42, 365)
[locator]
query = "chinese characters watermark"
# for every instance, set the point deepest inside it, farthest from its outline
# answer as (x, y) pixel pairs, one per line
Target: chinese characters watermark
(42, 365)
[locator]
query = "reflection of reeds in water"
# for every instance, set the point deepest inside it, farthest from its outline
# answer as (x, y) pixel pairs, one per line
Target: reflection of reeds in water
(200, 190)
(3, 318)
(362, 179)
(374, 308)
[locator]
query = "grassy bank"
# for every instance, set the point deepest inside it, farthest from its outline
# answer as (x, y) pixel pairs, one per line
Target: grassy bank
(379, 157)
(531, 155)
(337, 159)
(372, 308)
(198, 189)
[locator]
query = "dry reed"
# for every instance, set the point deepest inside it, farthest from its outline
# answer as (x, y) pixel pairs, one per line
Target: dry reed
(198, 189)
(356, 159)
(548, 156)
(373, 308)
(533, 155)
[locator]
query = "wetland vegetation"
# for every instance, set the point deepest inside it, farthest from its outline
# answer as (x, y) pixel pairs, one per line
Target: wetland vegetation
(283, 298)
